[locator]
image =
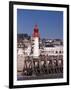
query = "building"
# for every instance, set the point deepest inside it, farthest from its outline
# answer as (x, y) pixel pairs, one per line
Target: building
(53, 50)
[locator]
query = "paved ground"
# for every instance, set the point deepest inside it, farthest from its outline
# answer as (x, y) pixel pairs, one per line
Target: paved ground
(48, 76)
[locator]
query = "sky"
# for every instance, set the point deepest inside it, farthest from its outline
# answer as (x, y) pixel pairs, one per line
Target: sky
(50, 23)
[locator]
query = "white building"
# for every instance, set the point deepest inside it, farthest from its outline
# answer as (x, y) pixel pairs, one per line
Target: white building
(56, 50)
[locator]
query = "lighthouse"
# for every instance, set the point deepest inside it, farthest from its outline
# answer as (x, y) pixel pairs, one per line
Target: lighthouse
(36, 51)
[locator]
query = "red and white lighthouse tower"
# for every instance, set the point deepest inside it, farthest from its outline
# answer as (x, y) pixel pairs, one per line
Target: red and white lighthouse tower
(35, 35)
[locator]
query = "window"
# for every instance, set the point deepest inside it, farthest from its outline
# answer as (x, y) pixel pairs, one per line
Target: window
(56, 51)
(59, 51)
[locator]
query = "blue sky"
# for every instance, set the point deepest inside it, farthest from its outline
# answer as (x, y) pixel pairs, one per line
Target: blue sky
(50, 23)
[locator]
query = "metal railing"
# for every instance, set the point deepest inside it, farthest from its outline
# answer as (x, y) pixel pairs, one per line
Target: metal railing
(43, 65)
